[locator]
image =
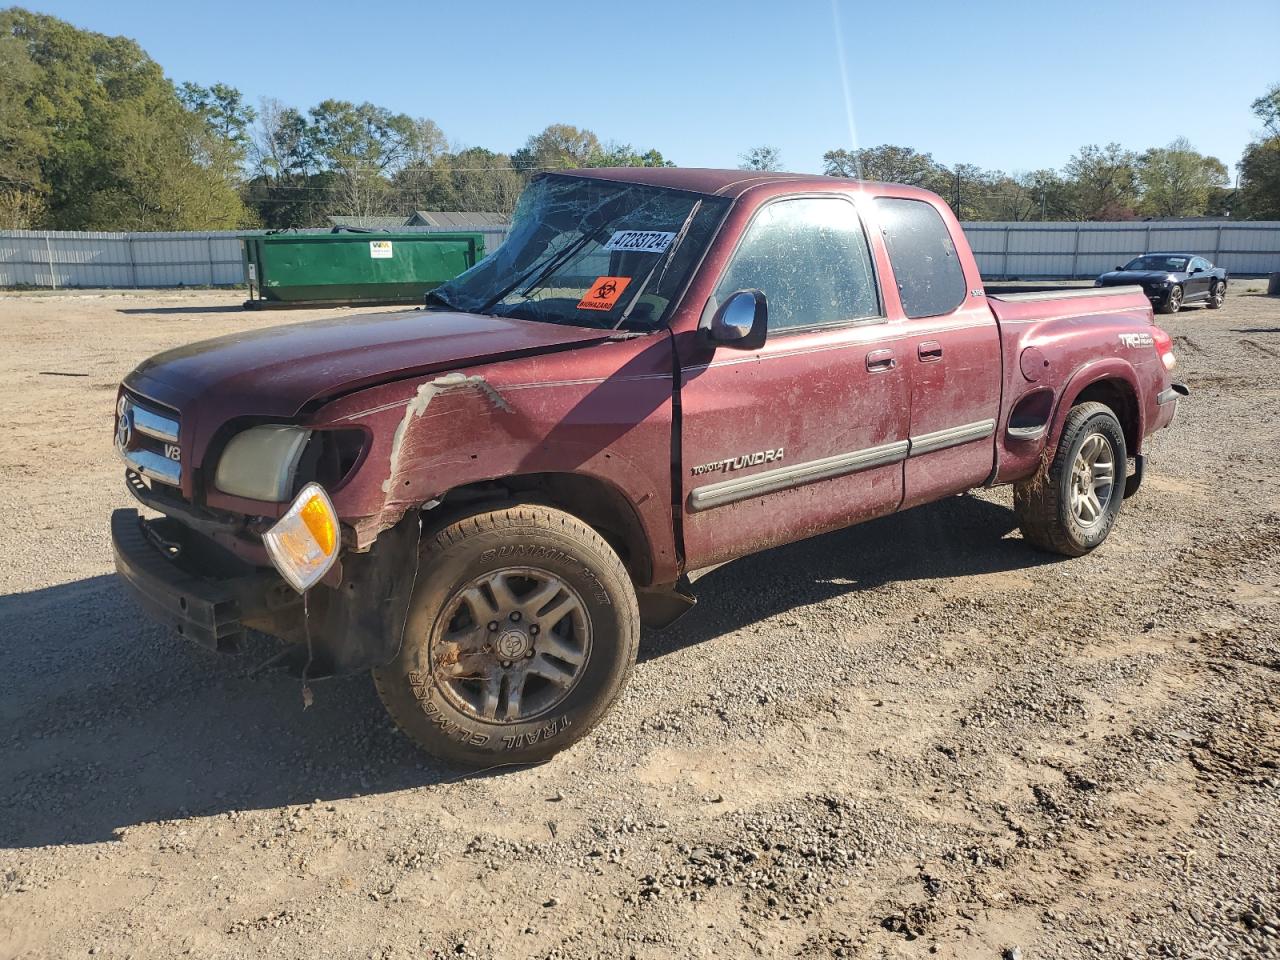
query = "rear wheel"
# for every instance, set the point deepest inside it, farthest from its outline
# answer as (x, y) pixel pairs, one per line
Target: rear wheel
(522, 631)
(1071, 507)
(1217, 295)
(1173, 302)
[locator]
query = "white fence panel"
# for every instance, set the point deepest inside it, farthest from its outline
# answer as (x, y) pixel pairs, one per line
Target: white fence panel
(1033, 250)
(1025, 250)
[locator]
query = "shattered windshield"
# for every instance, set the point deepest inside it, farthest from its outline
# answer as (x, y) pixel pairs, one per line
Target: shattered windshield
(590, 253)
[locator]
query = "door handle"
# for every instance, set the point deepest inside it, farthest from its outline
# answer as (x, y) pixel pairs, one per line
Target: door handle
(880, 360)
(929, 351)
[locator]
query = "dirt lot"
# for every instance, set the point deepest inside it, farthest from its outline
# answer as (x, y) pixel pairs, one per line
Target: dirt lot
(912, 738)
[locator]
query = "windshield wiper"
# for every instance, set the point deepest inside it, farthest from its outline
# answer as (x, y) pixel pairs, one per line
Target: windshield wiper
(556, 262)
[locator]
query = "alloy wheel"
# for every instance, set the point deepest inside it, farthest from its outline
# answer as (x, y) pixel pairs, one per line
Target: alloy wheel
(510, 645)
(1093, 478)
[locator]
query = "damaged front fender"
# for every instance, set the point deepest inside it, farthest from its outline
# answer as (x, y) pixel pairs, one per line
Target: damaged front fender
(359, 624)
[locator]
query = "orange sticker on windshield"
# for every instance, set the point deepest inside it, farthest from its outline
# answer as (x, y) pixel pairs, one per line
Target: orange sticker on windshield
(604, 293)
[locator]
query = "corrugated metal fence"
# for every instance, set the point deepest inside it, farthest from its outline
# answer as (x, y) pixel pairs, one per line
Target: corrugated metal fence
(1078, 250)
(37, 258)
(1004, 251)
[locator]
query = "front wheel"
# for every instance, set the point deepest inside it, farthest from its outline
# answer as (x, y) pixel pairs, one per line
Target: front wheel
(1173, 302)
(522, 631)
(1217, 295)
(1071, 507)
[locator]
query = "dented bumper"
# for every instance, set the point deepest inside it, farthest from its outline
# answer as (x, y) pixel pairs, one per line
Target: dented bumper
(155, 559)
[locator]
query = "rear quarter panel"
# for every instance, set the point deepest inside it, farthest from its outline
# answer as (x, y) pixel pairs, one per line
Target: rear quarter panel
(1062, 346)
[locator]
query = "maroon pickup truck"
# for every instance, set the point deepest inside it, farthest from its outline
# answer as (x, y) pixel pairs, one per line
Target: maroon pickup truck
(660, 370)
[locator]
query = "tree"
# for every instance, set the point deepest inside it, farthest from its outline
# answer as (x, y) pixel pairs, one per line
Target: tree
(560, 146)
(761, 158)
(889, 164)
(1267, 109)
(472, 179)
(1177, 180)
(624, 155)
(361, 145)
(1102, 183)
(1260, 166)
(1260, 180)
(22, 145)
(113, 144)
(222, 107)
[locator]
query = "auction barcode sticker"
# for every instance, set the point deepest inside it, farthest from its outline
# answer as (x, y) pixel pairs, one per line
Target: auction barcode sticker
(640, 241)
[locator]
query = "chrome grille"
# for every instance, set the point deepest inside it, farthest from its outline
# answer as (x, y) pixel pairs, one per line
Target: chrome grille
(147, 439)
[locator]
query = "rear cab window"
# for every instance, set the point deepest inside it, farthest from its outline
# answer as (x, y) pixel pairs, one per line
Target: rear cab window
(923, 255)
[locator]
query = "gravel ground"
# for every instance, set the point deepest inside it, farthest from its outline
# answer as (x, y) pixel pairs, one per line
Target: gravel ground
(912, 738)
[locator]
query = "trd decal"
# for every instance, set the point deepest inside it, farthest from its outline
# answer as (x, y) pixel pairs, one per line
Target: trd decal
(1136, 339)
(737, 463)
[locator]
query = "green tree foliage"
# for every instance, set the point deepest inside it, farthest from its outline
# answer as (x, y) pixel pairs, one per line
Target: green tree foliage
(22, 145)
(114, 146)
(1177, 181)
(1103, 182)
(1267, 109)
(625, 155)
(1260, 166)
(224, 111)
(472, 179)
(888, 163)
(560, 146)
(761, 158)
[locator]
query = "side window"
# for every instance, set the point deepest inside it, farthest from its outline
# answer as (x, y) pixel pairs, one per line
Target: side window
(930, 278)
(1199, 263)
(810, 258)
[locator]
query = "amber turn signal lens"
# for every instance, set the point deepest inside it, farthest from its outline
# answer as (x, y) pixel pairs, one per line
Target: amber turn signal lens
(303, 544)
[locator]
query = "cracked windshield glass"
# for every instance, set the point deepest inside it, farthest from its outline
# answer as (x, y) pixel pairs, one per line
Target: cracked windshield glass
(590, 253)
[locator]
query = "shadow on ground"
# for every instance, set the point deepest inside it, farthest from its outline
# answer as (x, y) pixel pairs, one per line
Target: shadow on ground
(180, 311)
(111, 722)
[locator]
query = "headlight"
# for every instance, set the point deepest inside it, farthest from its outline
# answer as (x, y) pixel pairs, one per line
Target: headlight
(260, 463)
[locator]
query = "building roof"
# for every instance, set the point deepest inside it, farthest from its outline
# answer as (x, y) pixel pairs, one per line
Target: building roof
(369, 223)
(457, 218)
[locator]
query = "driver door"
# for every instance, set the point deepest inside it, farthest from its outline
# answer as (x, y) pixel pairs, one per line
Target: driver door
(807, 433)
(1198, 279)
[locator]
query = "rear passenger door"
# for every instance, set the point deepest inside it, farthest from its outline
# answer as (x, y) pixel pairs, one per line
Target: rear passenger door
(951, 350)
(807, 433)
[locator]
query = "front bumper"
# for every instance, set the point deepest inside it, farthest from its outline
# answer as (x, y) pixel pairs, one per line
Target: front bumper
(171, 571)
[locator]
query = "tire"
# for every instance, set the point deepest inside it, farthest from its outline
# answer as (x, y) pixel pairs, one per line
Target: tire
(561, 653)
(1048, 513)
(1173, 302)
(1217, 295)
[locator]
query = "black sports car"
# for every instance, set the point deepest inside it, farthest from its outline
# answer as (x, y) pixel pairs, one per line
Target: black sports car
(1171, 279)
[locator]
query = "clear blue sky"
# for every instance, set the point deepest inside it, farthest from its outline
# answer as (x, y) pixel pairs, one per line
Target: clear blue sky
(1008, 85)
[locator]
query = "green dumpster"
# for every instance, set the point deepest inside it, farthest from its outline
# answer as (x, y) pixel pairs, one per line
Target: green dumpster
(284, 269)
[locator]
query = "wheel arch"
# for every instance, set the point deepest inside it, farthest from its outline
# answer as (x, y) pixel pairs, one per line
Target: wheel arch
(596, 502)
(1113, 384)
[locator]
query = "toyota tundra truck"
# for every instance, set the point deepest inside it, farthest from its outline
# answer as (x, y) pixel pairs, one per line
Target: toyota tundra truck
(660, 370)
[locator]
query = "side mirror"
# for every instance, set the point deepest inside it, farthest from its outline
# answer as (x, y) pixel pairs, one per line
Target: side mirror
(1197, 270)
(741, 322)
(1120, 268)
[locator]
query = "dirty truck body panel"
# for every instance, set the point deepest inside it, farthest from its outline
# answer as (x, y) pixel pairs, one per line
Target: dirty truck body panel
(880, 386)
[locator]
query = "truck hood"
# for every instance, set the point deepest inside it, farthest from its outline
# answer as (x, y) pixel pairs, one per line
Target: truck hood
(278, 371)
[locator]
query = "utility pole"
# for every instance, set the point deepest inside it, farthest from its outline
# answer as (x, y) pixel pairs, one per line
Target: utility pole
(957, 193)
